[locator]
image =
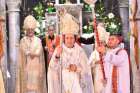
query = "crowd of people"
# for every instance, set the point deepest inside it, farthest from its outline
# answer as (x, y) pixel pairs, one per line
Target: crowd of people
(65, 68)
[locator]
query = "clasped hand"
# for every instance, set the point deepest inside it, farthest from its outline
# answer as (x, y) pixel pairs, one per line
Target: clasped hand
(72, 67)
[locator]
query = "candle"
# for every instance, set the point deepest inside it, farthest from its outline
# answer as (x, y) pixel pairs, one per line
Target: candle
(56, 1)
(78, 1)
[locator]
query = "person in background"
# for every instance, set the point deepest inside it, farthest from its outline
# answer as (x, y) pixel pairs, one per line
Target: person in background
(52, 41)
(31, 76)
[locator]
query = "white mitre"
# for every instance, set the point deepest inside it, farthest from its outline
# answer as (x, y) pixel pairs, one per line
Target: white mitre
(103, 34)
(103, 37)
(68, 24)
(30, 22)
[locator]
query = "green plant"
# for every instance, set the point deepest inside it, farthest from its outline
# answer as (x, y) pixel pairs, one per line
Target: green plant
(50, 8)
(39, 12)
(111, 21)
(88, 28)
(87, 8)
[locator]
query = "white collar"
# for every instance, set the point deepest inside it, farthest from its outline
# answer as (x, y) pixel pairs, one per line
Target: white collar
(115, 49)
(68, 49)
(120, 46)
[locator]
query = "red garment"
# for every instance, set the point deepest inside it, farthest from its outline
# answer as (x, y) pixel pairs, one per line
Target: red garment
(51, 44)
(114, 80)
(1, 42)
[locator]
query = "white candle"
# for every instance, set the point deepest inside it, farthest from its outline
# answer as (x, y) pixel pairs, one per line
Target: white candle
(78, 1)
(56, 1)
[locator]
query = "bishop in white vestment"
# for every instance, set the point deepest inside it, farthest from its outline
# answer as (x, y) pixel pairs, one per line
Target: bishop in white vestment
(75, 75)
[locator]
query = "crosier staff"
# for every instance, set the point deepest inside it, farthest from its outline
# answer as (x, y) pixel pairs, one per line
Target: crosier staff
(92, 4)
(2, 20)
(60, 13)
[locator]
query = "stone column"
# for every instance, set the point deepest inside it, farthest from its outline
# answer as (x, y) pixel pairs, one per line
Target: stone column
(14, 36)
(4, 59)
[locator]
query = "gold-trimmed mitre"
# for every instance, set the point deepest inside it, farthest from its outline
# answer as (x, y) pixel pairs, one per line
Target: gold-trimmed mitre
(30, 22)
(69, 24)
